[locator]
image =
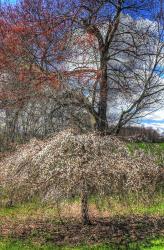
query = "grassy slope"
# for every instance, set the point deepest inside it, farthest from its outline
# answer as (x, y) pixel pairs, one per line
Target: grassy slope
(20, 245)
(157, 149)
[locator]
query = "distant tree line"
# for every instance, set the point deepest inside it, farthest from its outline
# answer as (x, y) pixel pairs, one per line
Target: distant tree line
(140, 133)
(20, 126)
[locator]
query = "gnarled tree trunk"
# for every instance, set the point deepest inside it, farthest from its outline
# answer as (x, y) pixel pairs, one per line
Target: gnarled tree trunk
(84, 204)
(102, 123)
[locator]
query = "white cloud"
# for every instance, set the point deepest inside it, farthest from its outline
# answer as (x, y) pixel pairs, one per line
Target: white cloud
(158, 115)
(158, 126)
(155, 120)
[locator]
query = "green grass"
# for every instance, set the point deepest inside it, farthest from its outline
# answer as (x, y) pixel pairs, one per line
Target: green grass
(131, 205)
(156, 149)
(147, 147)
(37, 210)
(156, 244)
(113, 205)
(155, 209)
(29, 210)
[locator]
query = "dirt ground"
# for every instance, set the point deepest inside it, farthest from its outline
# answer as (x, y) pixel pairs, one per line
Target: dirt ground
(118, 230)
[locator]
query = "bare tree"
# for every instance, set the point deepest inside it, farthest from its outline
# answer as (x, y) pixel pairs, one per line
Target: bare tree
(109, 63)
(128, 62)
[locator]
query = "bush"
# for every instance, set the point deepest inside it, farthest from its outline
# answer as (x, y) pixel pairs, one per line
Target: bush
(72, 164)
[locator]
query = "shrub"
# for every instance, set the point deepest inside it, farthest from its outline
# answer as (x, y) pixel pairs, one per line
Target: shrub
(72, 164)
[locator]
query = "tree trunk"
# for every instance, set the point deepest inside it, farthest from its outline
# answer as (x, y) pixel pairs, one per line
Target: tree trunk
(84, 204)
(119, 124)
(118, 128)
(102, 123)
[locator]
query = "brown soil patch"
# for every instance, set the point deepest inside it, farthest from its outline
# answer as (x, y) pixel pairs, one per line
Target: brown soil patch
(74, 211)
(117, 230)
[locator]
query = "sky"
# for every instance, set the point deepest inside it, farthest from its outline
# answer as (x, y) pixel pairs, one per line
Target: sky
(154, 120)
(8, 1)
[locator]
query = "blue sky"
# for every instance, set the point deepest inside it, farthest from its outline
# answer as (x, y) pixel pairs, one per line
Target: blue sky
(8, 1)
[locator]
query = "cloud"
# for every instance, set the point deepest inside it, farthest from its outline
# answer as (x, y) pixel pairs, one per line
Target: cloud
(157, 126)
(155, 120)
(158, 115)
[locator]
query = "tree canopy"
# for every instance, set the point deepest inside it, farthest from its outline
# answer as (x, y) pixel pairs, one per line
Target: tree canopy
(107, 53)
